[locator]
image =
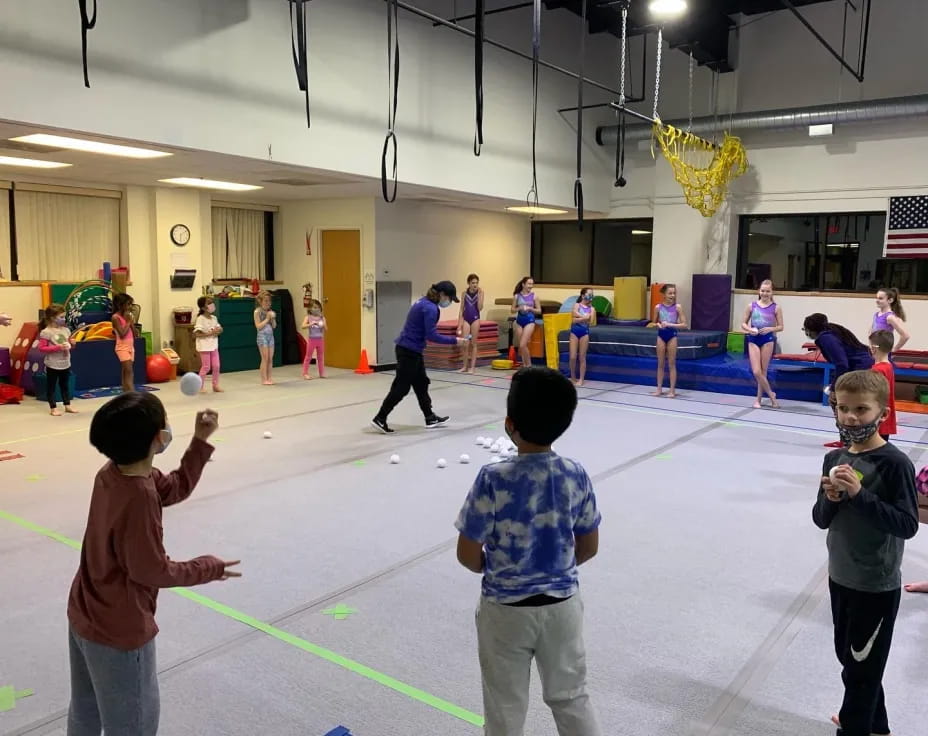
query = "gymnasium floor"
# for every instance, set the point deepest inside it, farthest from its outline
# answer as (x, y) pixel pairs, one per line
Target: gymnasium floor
(706, 609)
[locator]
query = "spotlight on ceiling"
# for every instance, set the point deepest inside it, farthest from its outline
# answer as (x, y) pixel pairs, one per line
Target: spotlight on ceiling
(667, 9)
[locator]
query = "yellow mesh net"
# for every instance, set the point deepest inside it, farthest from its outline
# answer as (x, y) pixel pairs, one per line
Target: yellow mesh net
(706, 185)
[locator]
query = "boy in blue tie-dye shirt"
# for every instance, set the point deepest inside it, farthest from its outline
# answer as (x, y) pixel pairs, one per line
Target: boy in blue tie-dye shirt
(526, 525)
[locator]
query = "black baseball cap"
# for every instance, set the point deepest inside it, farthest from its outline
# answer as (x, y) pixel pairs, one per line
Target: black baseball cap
(446, 287)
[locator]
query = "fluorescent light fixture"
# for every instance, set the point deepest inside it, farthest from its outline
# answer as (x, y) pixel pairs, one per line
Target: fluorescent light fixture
(641, 232)
(31, 163)
(80, 144)
(535, 210)
(819, 130)
(667, 8)
(226, 186)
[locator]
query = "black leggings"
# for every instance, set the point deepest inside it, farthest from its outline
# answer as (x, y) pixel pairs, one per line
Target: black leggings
(60, 377)
(410, 373)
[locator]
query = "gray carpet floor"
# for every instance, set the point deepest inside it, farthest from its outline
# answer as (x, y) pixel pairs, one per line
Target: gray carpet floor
(706, 611)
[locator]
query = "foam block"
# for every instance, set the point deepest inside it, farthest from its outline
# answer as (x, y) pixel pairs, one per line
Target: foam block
(629, 300)
(711, 300)
(654, 299)
(554, 324)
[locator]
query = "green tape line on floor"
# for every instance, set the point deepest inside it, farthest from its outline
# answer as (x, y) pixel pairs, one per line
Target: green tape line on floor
(349, 664)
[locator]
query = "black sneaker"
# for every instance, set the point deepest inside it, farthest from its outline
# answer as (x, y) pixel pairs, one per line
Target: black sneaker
(435, 421)
(381, 424)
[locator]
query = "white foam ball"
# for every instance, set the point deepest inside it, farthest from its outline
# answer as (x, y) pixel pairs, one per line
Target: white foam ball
(394, 459)
(495, 449)
(442, 463)
(488, 443)
(502, 441)
(831, 473)
(267, 435)
(480, 441)
(465, 459)
(190, 384)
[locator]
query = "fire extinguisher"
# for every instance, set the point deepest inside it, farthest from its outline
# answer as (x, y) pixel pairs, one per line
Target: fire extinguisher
(255, 287)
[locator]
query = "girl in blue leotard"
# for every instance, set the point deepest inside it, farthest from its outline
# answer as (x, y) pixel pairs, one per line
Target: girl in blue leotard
(469, 321)
(526, 308)
(669, 317)
(762, 320)
(581, 320)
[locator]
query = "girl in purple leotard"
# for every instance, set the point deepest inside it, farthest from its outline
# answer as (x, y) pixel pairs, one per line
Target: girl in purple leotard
(526, 308)
(890, 316)
(469, 322)
(762, 320)
(668, 317)
(581, 319)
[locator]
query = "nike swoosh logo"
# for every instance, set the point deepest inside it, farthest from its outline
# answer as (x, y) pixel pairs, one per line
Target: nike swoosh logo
(862, 655)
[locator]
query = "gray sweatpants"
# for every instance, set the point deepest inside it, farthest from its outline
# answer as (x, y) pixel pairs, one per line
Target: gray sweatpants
(508, 638)
(112, 690)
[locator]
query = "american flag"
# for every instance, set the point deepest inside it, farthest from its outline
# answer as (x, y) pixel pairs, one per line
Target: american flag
(907, 229)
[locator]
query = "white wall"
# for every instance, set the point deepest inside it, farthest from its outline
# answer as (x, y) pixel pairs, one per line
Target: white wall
(295, 268)
(218, 75)
(428, 243)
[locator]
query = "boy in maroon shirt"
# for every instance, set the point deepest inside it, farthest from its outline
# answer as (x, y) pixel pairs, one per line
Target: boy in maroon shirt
(111, 608)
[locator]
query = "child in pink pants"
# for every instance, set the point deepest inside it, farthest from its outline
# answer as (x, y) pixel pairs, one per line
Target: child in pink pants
(315, 323)
(207, 330)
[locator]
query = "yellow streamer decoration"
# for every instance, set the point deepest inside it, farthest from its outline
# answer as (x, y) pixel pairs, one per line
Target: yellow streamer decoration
(704, 187)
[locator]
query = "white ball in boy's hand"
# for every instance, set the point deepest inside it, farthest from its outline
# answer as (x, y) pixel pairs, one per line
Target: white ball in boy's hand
(832, 473)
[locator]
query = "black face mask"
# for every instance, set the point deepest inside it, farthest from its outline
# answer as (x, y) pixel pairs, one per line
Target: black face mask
(857, 434)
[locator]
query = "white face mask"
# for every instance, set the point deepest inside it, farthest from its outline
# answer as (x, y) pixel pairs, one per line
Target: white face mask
(444, 303)
(210, 308)
(166, 437)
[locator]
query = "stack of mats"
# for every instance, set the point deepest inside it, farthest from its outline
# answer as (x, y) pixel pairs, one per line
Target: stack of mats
(629, 297)
(449, 357)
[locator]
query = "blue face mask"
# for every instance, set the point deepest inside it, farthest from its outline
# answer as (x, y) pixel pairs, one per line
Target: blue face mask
(165, 443)
(444, 303)
(59, 321)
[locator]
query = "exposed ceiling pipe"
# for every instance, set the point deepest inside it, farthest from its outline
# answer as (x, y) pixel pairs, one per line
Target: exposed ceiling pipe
(843, 113)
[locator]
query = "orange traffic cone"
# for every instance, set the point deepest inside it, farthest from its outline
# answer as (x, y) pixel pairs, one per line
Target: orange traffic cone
(363, 366)
(512, 355)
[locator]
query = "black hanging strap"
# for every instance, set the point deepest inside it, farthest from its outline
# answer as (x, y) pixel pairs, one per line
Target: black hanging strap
(299, 40)
(88, 22)
(393, 82)
(532, 198)
(620, 151)
(479, 33)
(578, 184)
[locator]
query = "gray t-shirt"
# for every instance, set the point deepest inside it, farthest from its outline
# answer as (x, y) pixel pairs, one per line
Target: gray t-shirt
(59, 359)
(866, 533)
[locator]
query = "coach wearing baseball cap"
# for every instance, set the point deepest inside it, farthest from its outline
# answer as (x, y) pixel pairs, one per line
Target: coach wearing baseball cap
(410, 365)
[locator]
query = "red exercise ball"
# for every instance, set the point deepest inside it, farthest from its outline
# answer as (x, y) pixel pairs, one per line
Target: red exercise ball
(158, 368)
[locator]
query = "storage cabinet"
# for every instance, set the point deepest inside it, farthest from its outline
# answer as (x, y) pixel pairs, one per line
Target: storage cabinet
(238, 347)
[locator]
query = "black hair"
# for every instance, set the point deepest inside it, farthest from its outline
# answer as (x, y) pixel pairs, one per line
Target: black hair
(520, 285)
(124, 427)
(817, 323)
(541, 404)
(584, 290)
(202, 302)
(48, 316)
(121, 301)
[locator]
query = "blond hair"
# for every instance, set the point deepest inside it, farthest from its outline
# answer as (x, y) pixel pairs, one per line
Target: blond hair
(262, 294)
(865, 382)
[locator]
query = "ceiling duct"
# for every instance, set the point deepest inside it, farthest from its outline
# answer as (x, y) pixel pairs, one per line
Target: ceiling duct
(842, 113)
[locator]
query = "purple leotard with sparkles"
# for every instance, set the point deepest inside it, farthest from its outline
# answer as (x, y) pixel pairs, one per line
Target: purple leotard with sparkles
(524, 319)
(582, 329)
(669, 314)
(881, 322)
(762, 317)
(471, 310)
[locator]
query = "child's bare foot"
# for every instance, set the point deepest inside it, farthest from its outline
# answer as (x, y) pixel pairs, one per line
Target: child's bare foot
(268, 383)
(203, 390)
(580, 383)
(659, 392)
(672, 395)
(472, 371)
(756, 404)
(217, 390)
(307, 377)
(773, 401)
(834, 719)
(461, 370)
(916, 587)
(69, 410)
(56, 412)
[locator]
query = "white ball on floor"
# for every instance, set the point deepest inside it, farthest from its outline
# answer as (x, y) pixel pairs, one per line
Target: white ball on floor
(502, 441)
(190, 384)
(267, 435)
(465, 459)
(480, 440)
(495, 449)
(488, 443)
(442, 463)
(394, 459)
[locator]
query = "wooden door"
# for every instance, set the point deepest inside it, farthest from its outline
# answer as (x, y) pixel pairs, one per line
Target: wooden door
(341, 296)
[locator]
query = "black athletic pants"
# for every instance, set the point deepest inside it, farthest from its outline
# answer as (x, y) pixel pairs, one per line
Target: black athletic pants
(55, 376)
(864, 625)
(410, 373)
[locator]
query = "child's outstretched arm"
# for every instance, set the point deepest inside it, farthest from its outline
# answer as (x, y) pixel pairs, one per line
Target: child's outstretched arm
(177, 485)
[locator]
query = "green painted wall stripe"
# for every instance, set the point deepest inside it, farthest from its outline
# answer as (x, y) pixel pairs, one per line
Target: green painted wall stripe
(349, 664)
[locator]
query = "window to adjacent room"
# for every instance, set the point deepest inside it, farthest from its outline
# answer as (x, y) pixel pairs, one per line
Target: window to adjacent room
(243, 243)
(53, 236)
(604, 249)
(823, 252)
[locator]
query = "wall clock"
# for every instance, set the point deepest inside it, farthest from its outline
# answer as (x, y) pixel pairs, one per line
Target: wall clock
(180, 235)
